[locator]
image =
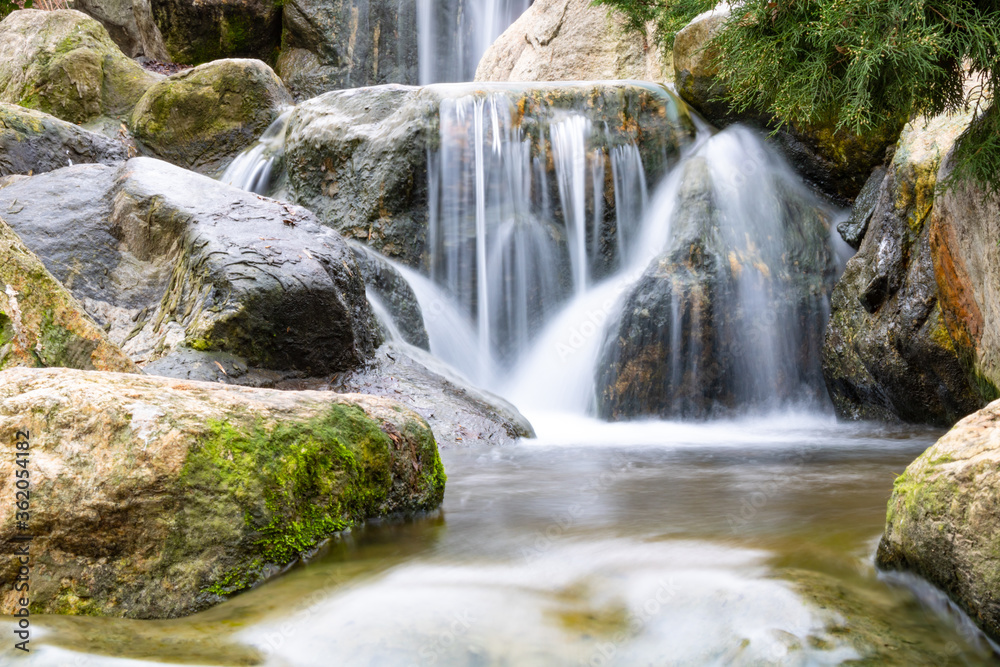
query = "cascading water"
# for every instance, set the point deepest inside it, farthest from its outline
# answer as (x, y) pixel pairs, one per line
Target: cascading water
(258, 169)
(454, 34)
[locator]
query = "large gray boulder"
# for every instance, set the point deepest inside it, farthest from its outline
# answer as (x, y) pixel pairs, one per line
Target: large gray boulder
(890, 352)
(204, 117)
(35, 142)
(573, 40)
(943, 520)
(362, 159)
(64, 63)
(335, 44)
(165, 258)
(157, 498)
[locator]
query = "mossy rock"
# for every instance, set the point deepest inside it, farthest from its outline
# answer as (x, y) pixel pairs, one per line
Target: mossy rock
(203, 117)
(41, 324)
(65, 63)
(32, 142)
(943, 520)
(163, 497)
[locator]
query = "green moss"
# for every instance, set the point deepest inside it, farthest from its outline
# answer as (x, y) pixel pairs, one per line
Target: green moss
(295, 484)
(923, 495)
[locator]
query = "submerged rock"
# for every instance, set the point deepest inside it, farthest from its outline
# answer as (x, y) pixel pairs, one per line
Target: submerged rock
(362, 159)
(330, 45)
(64, 63)
(41, 324)
(943, 520)
(159, 498)
(731, 315)
(35, 142)
(460, 414)
(163, 257)
(203, 117)
(836, 161)
(573, 40)
(889, 353)
(199, 31)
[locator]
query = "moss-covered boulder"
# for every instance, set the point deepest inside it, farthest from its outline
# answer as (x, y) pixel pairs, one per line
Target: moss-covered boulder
(160, 497)
(889, 353)
(41, 324)
(64, 63)
(167, 258)
(943, 519)
(199, 31)
(363, 159)
(35, 142)
(335, 44)
(573, 40)
(203, 117)
(836, 161)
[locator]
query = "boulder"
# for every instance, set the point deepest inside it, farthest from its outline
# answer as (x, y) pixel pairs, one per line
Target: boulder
(889, 353)
(41, 324)
(573, 40)
(363, 159)
(35, 142)
(459, 414)
(203, 117)
(156, 498)
(199, 31)
(943, 520)
(129, 23)
(64, 63)
(835, 161)
(163, 258)
(389, 287)
(719, 323)
(334, 44)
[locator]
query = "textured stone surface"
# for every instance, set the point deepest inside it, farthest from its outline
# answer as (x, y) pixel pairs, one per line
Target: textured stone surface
(129, 23)
(943, 519)
(335, 44)
(460, 414)
(203, 117)
(888, 352)
(41, 324)
(155, 498)
(64, 63)
(35, 142)
(835, 161)
(199, 31)
(164, 257)
(573, 40)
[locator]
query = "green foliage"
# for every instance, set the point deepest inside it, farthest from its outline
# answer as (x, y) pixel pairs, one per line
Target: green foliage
(861, 65)
(7, 6)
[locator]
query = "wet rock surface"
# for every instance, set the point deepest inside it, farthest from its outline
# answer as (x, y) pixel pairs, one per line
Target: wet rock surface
(215, 489)
(889, 353)
(199, 31)
(35, 142)
(163, 257)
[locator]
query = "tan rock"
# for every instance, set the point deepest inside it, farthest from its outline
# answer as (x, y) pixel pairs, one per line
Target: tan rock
(153, 498)
(572, 40)
(943, 519)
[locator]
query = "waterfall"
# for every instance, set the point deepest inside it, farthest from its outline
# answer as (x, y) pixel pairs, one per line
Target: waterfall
(258, 168)
(454, 34)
